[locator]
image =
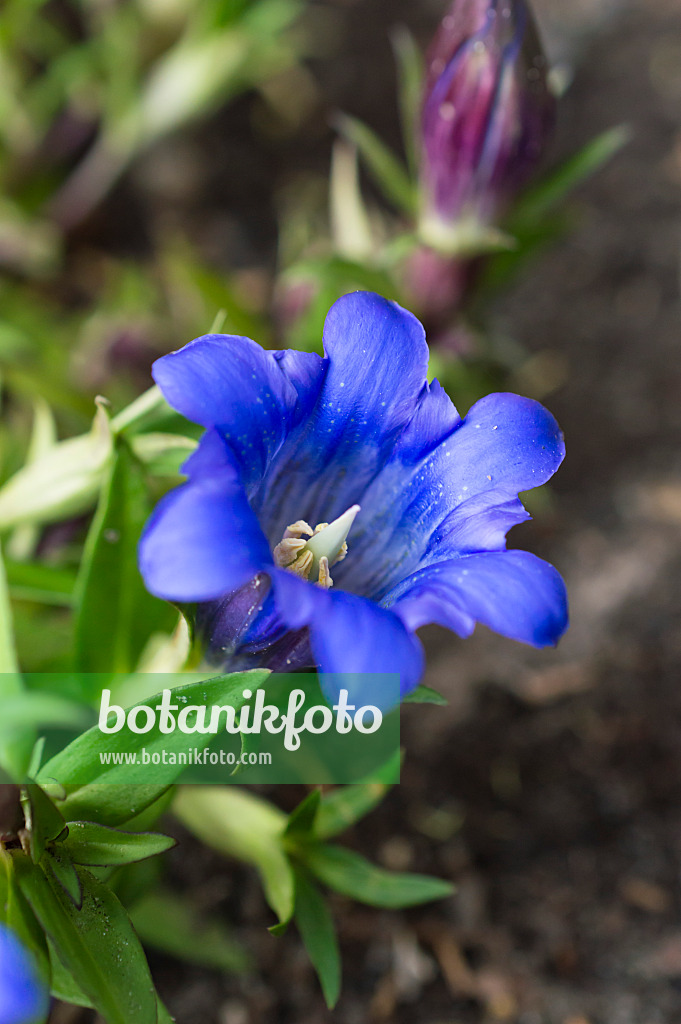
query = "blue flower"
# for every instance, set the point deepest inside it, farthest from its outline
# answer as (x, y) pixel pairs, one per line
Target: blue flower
(23, 998)
(419, 501)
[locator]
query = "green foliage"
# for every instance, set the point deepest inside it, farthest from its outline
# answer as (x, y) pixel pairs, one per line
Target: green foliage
(95, 942)
(352, 875)
(425, 695)
(167, 922)
(385, 167)
(81, 773)
(95, 845)
(318, 933)
(288, 855)
(114, 612)
(244, 826)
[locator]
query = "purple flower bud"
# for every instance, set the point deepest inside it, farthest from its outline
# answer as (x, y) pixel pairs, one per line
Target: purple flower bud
(487, 113)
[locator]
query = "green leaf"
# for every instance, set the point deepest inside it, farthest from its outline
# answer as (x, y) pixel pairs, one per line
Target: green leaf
(148, 411)
(44, 584)
(383, 164)
(350, 222)
(318, 933)
(539, 200)
(115, 613)
(17, 915)
(301, 821)
(168, 923)
(107, 804)
(43, 821)
(162, 454)
(63, 483)
(64, 985)
(96, 944)
(32, 708)
(98, 845)
(244, 826)
(8, 652)
(352, 875)
(345, 805)
(425, 695)
(410, 92)
(15, 747)
(58, 862)
(114, 804)
(24, 539)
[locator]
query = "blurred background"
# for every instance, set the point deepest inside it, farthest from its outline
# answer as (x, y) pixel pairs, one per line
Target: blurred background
(162, 160)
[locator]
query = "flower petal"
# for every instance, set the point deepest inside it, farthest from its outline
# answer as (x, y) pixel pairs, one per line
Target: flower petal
(23, 996)
(377, 361)
(513, 592)
(231, 383)
(348, 634)
(203, 538)
(504, 445)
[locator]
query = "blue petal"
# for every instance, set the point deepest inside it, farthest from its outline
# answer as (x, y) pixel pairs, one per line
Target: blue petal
(203, 538)
(23, 999)
(229, 382)
(478, 524)
(349, 634)
(243, 619)
(504, 445)
(377, 361)
(507, 443)
(513, 592)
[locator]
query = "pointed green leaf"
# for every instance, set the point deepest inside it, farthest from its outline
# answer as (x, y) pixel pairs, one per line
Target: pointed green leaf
(114, 804)
(109, 805)
(168, 923)
(410, 80)
(425, 695)
(318, 933)
(96, 944)
(352, 875)
(345, 805)
(115, 612)
(388, 171)
(15, 747)
(61, 484)
(43, 821)
(44, 584)
(162, 454)
(64, 985)
(539, 200)
(58, 862)
(301, 821)
(244, 826)
(97, 845)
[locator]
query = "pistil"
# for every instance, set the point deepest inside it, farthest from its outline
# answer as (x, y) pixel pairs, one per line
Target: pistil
(310, 553)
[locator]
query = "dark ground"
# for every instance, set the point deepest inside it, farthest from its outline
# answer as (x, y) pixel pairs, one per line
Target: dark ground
(550, 789)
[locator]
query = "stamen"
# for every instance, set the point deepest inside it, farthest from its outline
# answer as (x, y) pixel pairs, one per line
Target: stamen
(312, 558)
(324, 580)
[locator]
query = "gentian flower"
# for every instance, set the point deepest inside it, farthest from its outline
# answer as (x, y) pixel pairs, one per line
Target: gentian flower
(23, 997)
(418, 501)
(487, 114)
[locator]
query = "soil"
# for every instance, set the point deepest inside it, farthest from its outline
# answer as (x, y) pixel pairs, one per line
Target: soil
(549, 789)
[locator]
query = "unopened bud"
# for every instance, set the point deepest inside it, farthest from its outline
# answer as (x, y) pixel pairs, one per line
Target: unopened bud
(486, 117)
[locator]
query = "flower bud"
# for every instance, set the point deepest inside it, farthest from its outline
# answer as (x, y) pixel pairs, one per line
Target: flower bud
(486, 116)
